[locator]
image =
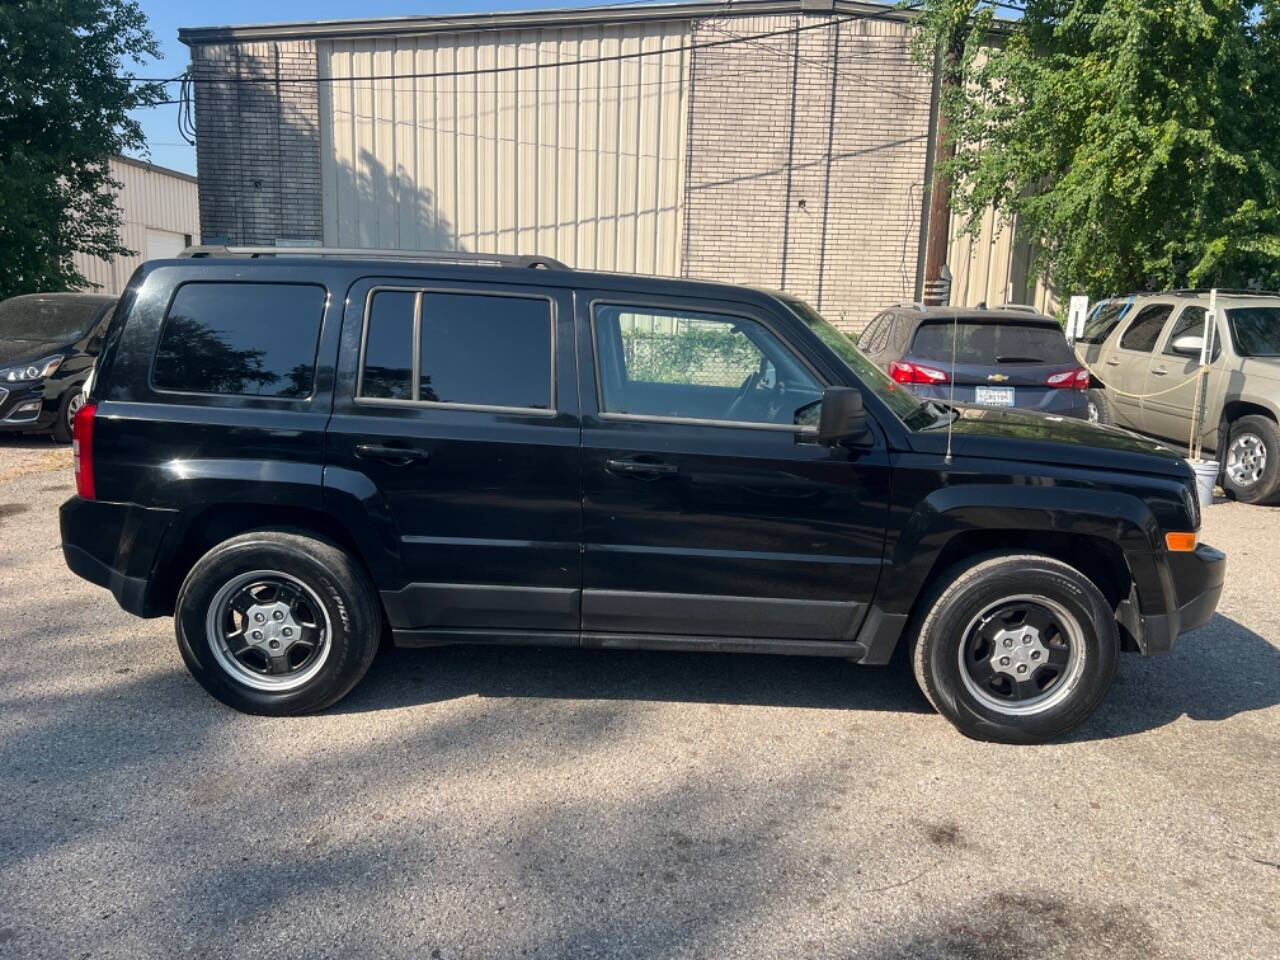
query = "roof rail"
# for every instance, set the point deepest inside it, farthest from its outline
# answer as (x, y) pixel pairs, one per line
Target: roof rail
(462, 257)
(911, 304)
(1018, 308)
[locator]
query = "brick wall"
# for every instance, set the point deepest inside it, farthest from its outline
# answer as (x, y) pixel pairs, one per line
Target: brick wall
(258, 141)
(806, 160)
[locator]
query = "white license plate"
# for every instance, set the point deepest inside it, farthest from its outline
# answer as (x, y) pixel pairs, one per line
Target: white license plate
(995, 396)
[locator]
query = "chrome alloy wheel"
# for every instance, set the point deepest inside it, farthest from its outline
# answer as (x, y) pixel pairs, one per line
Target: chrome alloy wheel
(1246, 459)
(1092, 409)
(268, 630)
(73, 407)
(1022, 655)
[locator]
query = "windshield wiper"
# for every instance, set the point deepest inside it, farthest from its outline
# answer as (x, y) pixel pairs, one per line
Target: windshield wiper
(1015, 359)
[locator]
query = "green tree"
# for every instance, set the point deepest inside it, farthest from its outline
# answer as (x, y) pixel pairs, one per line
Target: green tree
(64, 102)
(1136, 141)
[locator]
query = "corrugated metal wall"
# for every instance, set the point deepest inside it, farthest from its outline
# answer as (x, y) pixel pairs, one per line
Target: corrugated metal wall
(994, 267)
(584, 163)
(156, 205)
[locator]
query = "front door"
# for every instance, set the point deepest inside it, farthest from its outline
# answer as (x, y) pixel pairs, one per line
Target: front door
(710, 509)
(455, 429)
(1171, 382)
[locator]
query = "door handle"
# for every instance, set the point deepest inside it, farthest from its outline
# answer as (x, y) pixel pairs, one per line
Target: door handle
(392, 455)
(1112, 362)
(640, 468)
(1159, 372)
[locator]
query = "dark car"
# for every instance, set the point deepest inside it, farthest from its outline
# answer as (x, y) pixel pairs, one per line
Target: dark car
(1006, 357)
(291, 454)
(48, 343)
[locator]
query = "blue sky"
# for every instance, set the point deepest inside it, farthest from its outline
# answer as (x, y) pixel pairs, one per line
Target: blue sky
(160, 124)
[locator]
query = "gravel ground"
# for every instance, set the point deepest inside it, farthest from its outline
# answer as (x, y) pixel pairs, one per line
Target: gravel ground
(490, 802)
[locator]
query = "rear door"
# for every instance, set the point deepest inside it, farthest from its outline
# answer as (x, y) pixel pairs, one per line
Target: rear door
(709, 508)
(455, 429)
(1125, 367)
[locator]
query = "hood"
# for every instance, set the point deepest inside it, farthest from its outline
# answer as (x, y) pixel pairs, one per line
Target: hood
(1004, 434)
(13, 352)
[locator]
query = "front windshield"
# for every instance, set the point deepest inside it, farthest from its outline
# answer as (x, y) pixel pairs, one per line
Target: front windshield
(48, 319)
(915, 413)
(1256, 331)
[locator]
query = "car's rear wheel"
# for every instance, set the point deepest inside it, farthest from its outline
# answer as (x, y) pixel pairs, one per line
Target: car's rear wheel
(279, 623)
(69, 406)
(1017, 648)
(1251, 467)
(1099, 407)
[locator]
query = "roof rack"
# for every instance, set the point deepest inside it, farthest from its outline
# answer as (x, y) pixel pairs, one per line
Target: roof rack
(1191, 292)
(462, 257)
(1018, 308)
(910, 304)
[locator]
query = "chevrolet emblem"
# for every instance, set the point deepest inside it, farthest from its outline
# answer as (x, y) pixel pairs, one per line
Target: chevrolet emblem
(998, 377)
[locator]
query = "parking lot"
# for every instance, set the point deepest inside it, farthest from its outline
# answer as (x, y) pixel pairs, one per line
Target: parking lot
(490, 802)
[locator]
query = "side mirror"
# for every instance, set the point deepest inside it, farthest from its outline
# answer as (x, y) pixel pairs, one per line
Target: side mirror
(841, 416)
(1188, 345)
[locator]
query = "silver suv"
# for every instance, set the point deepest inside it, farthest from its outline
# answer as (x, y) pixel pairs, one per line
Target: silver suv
(1143, 352)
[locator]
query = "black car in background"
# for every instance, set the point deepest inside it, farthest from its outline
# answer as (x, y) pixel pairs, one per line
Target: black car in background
(1006, 357)
(48, 343)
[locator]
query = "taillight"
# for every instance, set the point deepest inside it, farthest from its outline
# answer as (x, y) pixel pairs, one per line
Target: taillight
(1077, 379)
(905, 372)
(82, 449)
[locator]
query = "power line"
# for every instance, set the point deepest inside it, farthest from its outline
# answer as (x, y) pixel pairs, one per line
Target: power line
(889, 12)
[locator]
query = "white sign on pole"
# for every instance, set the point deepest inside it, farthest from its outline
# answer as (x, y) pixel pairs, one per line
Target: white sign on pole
(1075, 317)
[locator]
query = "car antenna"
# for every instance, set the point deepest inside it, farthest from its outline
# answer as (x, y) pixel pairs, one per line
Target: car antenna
(951, 414)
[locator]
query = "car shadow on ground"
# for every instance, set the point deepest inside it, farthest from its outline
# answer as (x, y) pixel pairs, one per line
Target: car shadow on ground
(1214, 673)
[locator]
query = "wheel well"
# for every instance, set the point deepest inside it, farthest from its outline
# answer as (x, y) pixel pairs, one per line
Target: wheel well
(1232, 411)
(216, 524)
(1101, 560)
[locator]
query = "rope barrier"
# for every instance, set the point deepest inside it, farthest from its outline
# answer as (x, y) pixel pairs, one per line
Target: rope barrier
(1143, 396)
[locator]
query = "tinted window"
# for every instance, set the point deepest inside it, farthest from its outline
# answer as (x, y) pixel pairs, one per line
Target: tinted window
(388, 347)
(256, 339)
(869, 332)
(1189, 323)
(1105, 317)
(493, 351)
(1145, 329)
(983, 342)
(675, 363)
(1256, 331)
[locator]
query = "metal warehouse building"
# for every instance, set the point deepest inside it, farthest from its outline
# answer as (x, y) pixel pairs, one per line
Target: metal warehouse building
(779, 142)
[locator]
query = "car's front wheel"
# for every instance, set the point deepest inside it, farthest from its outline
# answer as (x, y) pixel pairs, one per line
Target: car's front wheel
(1251, 468)
(1017, 648)
(274, 622)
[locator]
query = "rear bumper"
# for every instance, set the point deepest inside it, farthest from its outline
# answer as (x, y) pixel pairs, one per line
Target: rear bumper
(115, 545)
(1195, 585)
(1053, 402)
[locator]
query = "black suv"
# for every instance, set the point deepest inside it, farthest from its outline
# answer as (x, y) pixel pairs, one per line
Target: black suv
(294, 453)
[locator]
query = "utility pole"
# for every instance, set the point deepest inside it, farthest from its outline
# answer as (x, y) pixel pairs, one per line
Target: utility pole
(936, 291)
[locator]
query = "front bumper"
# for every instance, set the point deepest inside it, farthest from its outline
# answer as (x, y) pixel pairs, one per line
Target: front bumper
(1193, 587)
(26, 407)
(115, 545)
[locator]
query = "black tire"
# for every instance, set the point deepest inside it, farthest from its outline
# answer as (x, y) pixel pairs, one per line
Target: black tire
(951, 613)
(1237, 467)
(322, 575)
(1100, 409)
(67, 407)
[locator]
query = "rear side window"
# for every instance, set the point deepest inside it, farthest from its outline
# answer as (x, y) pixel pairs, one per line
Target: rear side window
(1256, 331)
(987, 342)
(476, 350)
(245, 339)
(1145, 329)
(1104, 320)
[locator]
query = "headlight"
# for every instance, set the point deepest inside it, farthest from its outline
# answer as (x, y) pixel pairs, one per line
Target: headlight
(31, 371)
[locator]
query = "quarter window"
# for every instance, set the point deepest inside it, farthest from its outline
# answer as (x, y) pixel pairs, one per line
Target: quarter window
(246, 339)
(472, 349)
(702, 366)
(1145, 329)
